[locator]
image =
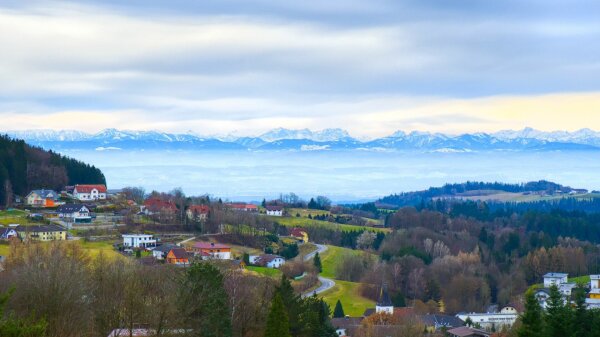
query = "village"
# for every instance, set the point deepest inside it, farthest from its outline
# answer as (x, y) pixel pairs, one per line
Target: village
(99, 217)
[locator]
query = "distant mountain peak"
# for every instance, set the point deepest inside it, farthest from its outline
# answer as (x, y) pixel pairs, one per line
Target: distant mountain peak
(325, 135)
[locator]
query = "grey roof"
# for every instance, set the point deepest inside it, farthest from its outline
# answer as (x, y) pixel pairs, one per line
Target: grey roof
(165, 248)
(442, 320)
(40, 228)
(556, 275)
(70, 208)
(44, 193)
(384, 297)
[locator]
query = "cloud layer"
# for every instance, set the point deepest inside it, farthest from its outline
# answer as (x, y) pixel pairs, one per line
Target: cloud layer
(370, 67)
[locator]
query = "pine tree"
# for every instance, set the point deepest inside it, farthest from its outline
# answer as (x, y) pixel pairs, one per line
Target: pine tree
(557, 315)
(338, 312)
(278, 324)
(531, 321)
(317, 262)
(264, 203)
(581, 319)
(204, 303)
(292, 303)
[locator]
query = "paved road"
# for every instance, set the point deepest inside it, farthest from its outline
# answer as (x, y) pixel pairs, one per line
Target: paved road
(326, 283)
(320, 249)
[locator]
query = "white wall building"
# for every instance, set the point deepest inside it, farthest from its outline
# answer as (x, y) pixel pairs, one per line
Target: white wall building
(555, 278)
(89, 192)
(274, 210)
(593, 300)
(267, 260)
(139, 241)
(506, 317)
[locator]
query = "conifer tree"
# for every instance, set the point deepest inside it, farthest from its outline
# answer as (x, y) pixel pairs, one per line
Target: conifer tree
(278, 324)
(338, 312)
(531, 320)
(317, 262)
(204, 303)
(292, 304)
(557, 316)
(581, 318)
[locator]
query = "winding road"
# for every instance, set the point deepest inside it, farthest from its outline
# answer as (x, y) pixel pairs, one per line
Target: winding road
(326, 283)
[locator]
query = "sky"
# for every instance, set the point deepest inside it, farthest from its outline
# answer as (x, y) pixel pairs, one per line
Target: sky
(244, 67)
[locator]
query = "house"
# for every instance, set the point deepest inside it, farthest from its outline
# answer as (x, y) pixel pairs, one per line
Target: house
(89, 192)
(156, 205)
(139, 332)
(464, 331)
(242, 207)
(346, 326)
(558, 279)
(211, 250)
(593, 300)
(9, 232)
(161, 251)
(198, 212)
(42, 198)
(492, 321)
(267, 260)
(555, 278)
(274, 210)
(299, 234)
(77, 213)
(139, 241)
(178, 256)
(436, 322)
(42, 233)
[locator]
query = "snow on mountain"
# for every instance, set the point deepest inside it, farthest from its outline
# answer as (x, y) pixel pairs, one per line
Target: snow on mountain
(527, 139)
(326, 135)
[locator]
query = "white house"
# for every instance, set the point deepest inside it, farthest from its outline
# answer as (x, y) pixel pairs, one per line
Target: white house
(74, 213)
(555, 278)
(139, 241)
(89, 192)
(561, 280)
(8, 232)
(274, 210)
(506, 317)
(267, 260)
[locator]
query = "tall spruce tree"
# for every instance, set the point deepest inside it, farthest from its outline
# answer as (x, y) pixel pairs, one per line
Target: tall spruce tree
(292, 303)
(204, 303)
(531, 320)
(278, 324)
(558, 315)
(581, 317)
(338, 311)
(317, 262)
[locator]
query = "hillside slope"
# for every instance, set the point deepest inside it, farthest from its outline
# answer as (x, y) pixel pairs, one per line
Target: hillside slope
(23, 168)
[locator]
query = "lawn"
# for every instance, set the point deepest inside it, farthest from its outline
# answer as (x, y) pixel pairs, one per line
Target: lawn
(4, 249)
(347, 292)
(270, 272)
(307, 223)
(332, 257)
(95, 247)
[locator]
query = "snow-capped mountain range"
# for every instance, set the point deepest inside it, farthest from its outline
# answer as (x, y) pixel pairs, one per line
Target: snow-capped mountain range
(527, 139)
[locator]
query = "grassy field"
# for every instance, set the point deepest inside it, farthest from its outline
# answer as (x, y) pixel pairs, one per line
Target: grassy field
(270, 272)
(305, 212)
(307, 223)
(13, 216)
(4, 249)
(332, 257)
(95, 247)
(347, 292)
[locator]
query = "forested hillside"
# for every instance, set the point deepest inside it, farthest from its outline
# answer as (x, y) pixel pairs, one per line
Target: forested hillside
(449, 190)
(23, 168)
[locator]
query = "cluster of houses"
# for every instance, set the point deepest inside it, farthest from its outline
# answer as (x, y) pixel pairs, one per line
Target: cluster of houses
(33, 232)
(480, 324)
(561, 281)
(183, 256)
(51, 198)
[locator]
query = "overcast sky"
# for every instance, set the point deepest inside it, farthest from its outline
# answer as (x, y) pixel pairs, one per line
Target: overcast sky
(371, 67)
